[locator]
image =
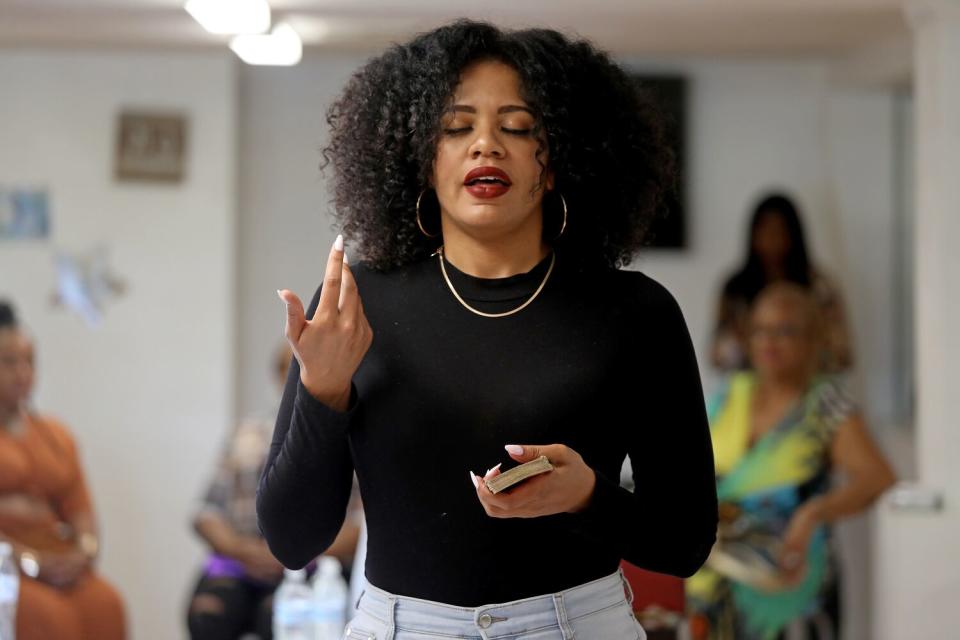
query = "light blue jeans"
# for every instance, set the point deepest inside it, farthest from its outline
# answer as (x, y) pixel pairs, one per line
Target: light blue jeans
(597, 610)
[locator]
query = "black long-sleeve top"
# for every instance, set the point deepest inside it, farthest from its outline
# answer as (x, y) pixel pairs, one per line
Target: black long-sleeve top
(600, 361)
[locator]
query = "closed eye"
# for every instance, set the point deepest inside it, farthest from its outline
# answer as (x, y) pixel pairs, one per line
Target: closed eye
(459, 130)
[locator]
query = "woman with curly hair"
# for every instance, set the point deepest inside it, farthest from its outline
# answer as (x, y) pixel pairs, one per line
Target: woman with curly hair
(494, 182)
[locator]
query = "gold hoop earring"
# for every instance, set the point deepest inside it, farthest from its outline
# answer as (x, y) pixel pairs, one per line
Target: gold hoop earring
(419, 224)
(564, 225)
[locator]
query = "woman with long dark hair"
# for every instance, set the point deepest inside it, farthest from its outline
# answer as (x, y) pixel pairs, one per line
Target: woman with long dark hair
(777, 252)
(494, 182)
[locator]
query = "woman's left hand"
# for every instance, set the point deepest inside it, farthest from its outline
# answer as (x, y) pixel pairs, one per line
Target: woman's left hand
(566, 489)
(796, 542)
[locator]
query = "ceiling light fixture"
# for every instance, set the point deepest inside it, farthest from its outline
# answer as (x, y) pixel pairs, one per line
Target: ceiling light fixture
(230, 16)
(281, 47)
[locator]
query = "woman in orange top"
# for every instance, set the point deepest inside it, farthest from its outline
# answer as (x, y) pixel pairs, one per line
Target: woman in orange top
(46, 512)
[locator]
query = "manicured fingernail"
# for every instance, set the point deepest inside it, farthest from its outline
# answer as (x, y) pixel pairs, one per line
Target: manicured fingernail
(473, 479)
(338, 243)
(514, 449)
(491, 470)
(345, 257)
(280, 295)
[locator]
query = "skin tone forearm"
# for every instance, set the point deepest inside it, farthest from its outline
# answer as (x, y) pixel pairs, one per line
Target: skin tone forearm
(868, 475)
(218, 533)
(252, 551)
(345, 544)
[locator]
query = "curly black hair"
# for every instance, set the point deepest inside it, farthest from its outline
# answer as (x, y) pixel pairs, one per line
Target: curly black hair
(606, 141)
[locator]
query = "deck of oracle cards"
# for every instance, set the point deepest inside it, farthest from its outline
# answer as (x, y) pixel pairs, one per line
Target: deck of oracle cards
(519, 473)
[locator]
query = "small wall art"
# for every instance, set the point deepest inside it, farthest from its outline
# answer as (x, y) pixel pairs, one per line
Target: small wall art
(24, 214)
(151, 146)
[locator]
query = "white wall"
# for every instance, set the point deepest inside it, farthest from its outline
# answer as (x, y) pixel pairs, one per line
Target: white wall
(149, 394)
(285, 227)
(755, 126)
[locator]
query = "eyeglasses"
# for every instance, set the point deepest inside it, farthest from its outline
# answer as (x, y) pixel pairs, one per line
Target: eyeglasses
(777, 332)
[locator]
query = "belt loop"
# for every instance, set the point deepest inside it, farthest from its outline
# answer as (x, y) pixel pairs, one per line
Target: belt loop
(562, 617)
(626, 584)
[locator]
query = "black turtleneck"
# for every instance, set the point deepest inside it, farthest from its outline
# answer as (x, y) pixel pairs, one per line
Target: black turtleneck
(600, 361)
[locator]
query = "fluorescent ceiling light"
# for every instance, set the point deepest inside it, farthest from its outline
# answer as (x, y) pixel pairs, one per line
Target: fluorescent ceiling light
(281, 47)
(230, 16)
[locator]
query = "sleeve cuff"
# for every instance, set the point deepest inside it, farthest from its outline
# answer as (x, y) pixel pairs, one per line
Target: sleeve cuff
(314, 408)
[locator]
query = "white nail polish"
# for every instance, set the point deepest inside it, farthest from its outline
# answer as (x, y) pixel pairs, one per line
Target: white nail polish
(345, 260)
(338, 243)
(473, 479)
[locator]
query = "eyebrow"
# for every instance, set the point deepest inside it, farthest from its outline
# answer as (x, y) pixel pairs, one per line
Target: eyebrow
(509, 108)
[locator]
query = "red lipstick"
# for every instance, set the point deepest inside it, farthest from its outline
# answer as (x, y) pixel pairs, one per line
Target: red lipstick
(487, 182)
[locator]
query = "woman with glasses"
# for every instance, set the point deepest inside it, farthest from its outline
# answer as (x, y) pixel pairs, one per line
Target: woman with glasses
(779, 431)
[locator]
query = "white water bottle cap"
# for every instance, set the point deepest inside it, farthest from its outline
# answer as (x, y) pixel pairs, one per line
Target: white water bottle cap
(330, 565)
(295, 575)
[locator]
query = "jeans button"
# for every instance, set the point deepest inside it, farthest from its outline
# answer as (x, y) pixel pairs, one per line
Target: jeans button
(485, 620)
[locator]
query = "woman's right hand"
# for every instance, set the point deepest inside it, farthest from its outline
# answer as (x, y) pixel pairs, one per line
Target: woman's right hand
(23, 506)
(330, 346)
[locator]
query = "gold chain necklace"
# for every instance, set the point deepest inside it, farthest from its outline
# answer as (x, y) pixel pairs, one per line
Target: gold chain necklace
(553, 259)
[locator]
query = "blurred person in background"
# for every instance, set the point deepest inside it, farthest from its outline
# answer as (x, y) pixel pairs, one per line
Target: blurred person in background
(778, 433)
(777, 252)
(46, 512)
(234, 594)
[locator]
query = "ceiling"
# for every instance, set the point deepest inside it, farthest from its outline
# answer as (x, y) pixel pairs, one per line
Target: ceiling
(668, 27)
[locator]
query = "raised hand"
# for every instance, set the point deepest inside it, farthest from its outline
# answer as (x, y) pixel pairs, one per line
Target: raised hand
(330, 346)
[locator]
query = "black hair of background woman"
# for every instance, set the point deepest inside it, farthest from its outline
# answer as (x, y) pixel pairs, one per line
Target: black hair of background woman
(752, 277)
(8, 317)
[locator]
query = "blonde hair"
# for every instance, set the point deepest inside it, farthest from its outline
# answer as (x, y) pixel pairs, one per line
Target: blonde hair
(799, 299)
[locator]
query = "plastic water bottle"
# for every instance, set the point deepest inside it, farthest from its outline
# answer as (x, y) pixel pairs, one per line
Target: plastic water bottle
(293, 610)
(9, 592)
(330, 598)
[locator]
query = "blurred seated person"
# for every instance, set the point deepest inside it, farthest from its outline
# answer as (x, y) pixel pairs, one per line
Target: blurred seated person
(234, 594)
(778, 432)
(777, 252)
(46, 512)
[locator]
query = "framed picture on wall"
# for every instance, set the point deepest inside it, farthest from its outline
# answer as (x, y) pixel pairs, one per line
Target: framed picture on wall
(24, 214)
(151, 146)
(669, 94)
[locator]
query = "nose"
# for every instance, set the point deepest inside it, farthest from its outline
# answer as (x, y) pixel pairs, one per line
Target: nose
(486, 143)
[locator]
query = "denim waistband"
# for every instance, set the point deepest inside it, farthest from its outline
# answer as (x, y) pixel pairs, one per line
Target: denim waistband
(499, 619)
